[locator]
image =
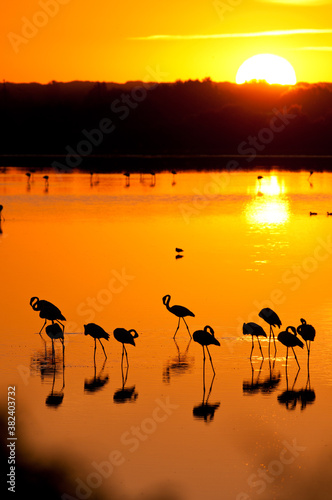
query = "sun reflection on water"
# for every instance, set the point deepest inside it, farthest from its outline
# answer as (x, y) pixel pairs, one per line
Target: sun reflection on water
(269, 206)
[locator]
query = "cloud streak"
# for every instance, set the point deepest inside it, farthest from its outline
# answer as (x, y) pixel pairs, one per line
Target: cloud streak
(217, 36)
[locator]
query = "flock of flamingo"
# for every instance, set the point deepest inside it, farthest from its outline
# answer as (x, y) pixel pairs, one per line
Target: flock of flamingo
(205, 337)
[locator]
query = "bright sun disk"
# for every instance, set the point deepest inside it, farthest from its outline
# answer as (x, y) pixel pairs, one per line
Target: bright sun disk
(268, 67)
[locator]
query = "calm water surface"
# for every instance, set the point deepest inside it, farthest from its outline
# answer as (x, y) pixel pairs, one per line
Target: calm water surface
(104, 252)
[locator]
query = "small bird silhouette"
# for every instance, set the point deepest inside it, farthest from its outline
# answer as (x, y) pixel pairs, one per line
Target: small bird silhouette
(254, 329)
(307, 332)
(125, 337)
(328, 213)
(204, 338)
(178, 250)
(47, 311)
(179, 311)
(289, 339)
(272, 319)
(313, 213)
(127, 175)
(96, 332)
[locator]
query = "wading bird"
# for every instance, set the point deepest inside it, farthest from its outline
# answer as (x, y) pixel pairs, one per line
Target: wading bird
(127, 176)
(125, 337)
(46, 178)
(47, 311)
(54, 331)
(271, 319)
(179, 311)
(307, 332)
(254, 329)
(289, 339)
(96, 332)
(204, 338)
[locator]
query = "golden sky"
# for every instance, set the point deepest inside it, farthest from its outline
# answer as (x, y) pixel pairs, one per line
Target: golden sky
(109, 40)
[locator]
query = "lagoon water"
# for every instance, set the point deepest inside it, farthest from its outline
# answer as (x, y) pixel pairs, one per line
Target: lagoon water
(104, 252)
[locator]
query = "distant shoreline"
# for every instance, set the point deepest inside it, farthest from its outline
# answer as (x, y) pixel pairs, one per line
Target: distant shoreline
(162, 162)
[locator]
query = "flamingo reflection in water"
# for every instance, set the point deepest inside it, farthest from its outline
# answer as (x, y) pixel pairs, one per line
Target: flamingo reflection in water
(97, 333)
(256, 330)
(47, 311)
(97, 382)
(125, 337)
(55, 398)
(179, 364)
(125, 394)
(265, 386)
(205, 410)
(180, 311)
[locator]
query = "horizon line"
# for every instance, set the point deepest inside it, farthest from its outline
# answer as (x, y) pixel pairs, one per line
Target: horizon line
(301, 31)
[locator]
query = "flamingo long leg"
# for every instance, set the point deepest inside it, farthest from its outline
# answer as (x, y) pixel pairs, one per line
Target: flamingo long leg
(42, 327)
(210, 359)
(298, 364)
(102, 348)
(177, 328)
(252, 346)
(125, 350)
(187, 327)
(260, 347)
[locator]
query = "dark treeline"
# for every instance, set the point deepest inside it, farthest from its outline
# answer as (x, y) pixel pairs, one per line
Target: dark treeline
(192, 117)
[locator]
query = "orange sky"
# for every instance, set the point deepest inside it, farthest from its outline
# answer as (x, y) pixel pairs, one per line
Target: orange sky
(105, 40)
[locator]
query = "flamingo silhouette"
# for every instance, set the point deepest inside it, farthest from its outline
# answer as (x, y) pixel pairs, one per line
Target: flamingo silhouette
(308, 334)
(272, 319)
(179, 311)
(289, 339)
(46, 177)
(204, 338)
(54, 331)
(47, 311)
(254, 329)
(96, 332)
(125, 337)
(127, 175)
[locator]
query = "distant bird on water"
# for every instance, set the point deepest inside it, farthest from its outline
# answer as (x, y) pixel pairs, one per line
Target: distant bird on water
(310, 174)
(256, 330)
(46, 178)
(47, 311)
(313, 213)
(127, 176)
(307, 332)
(96, 332)
(204, 338)
(328, 213)
(179, 250)
(1, 216)
(289, 339)
(272, 319)
(179, 311)
(125, 337)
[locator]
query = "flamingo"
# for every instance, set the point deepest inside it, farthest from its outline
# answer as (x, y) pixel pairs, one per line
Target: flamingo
(96, 332)
(206, 337)
(307, 332)
(272, 319)
(174, 172)
(179, 311)
(125, 337)
(290, 340)
(254, 329)
(54, 331)
(47, 311)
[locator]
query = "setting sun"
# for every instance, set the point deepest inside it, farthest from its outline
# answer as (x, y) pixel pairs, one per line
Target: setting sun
(268, 67)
